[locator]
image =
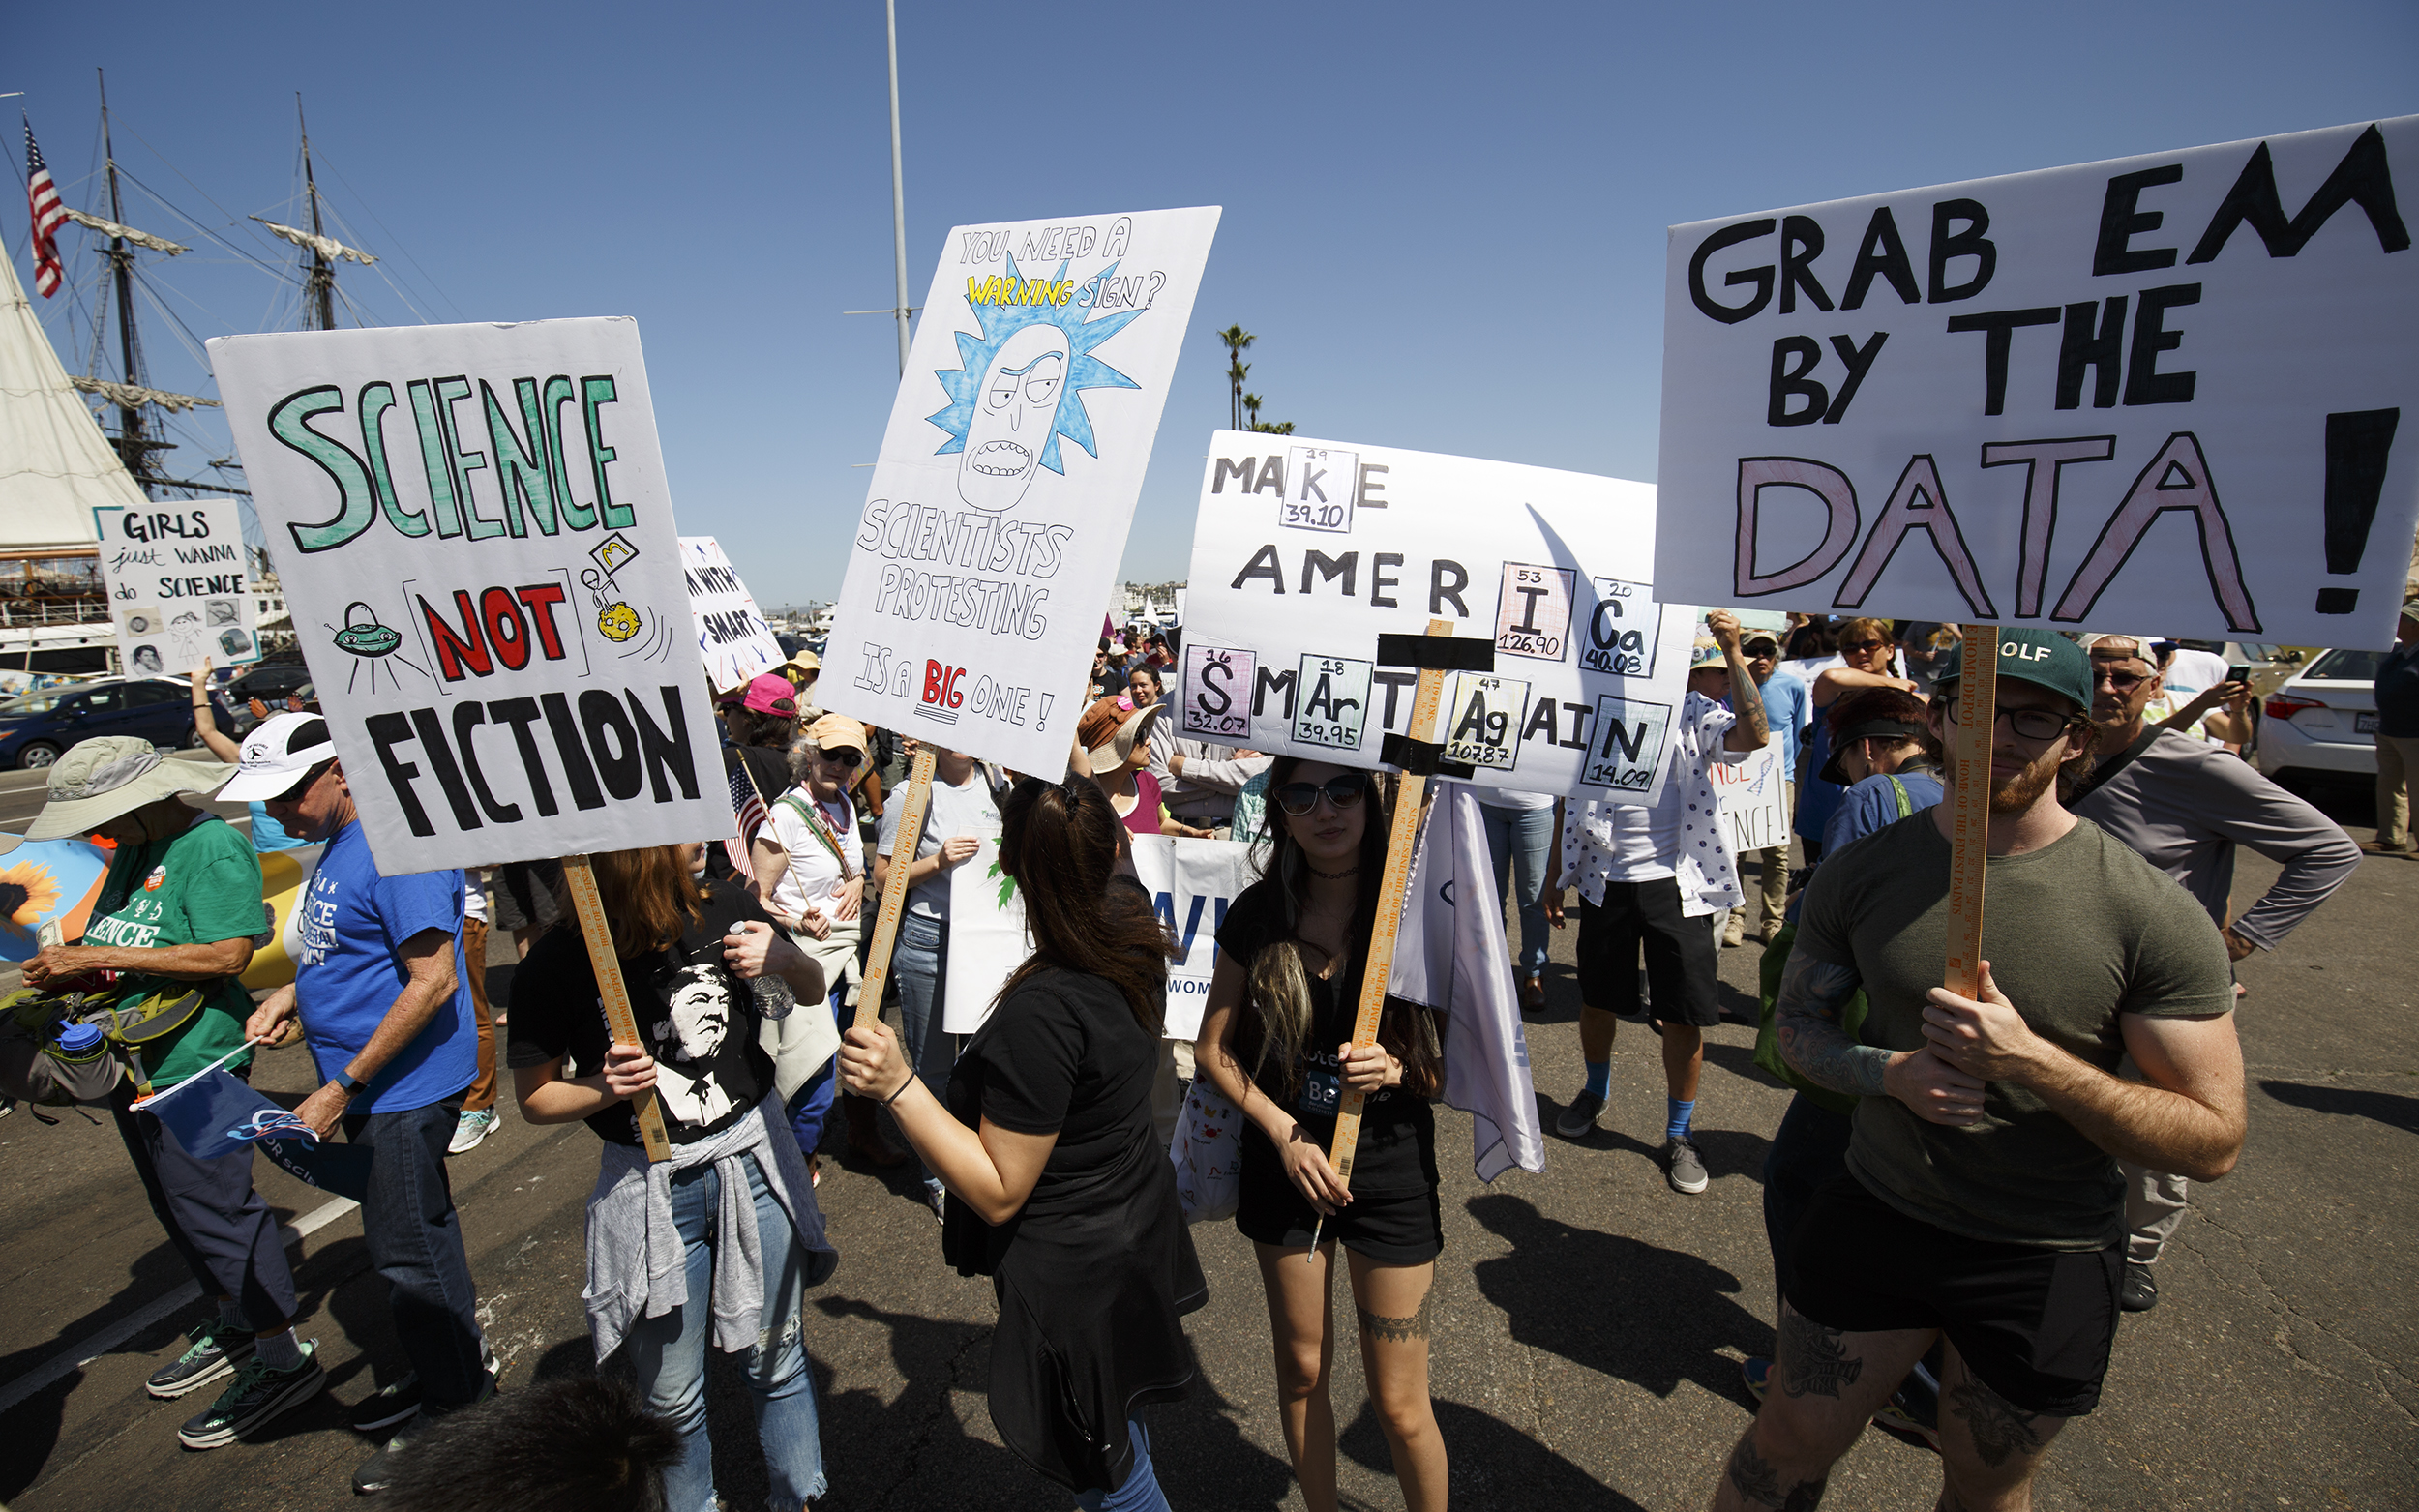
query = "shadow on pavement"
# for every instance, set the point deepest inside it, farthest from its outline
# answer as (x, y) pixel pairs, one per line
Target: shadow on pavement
(2393, 1109)
(1494, 1464)
(1650, 1316)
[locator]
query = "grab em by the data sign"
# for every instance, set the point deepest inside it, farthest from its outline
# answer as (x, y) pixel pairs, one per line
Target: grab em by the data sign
(2174, 391)
(476, 541)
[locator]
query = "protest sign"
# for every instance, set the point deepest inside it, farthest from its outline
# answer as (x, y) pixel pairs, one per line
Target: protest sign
(733, 639)
(1306, 551)
(997, 512)
(1752, 798)
(2160, 391)
(475, 537)
(1191, 883)
(179, 594)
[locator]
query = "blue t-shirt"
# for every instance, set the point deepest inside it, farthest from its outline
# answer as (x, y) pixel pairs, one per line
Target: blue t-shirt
(267, 834)
(1787, 706)
(1817, 800)
(1873, 804)
(353, 928)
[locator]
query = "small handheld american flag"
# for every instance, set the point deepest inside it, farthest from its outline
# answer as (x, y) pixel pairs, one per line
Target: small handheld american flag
(41, 197)
(749, 806)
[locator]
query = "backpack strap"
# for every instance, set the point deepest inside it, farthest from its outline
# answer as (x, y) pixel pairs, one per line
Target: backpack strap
(1906, 804)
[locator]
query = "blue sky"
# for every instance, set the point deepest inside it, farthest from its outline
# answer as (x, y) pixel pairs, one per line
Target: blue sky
(1444, 222)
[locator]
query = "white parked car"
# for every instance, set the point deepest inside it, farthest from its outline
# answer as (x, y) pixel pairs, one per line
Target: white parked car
(2324, 718)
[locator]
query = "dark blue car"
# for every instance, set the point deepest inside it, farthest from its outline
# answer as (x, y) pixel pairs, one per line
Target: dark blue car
(36, 727)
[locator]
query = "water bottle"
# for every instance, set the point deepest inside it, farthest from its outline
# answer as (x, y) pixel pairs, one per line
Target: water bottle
(79, 1039)
(773, 998)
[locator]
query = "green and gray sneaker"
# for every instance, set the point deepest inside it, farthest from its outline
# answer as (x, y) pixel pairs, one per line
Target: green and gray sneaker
(261, 1392)
(216, 1348)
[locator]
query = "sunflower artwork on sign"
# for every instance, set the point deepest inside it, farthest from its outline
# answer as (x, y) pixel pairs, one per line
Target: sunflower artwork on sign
(47, 881)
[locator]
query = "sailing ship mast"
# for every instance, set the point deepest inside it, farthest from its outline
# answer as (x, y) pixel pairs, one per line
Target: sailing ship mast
(133, 447)
(319, 284)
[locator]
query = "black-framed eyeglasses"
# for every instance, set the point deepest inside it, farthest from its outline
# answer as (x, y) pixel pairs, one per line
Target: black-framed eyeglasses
(2029, 724)
(1342, 792)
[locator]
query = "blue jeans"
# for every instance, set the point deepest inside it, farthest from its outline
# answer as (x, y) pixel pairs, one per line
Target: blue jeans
(668, 1353)
(414, 1239)
(920, 965)
(1141, 1491)
(1516, 840)
(810, 1106)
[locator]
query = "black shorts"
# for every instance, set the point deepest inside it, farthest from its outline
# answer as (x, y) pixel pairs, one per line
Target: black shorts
(2034, 1326)
(1681, 959)
(1399, 1229)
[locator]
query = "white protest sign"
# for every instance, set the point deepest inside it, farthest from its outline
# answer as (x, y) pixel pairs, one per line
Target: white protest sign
(2159, 391)
(1751, 796)
(1306, 552)
(997, 518)
(476, 539)
(1191, 883)
(731, 635)
(178, 591)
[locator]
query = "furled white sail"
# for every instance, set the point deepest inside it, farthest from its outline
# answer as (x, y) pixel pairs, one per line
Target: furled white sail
(134, 395)
(327, 247)
(158, 243)
(55, 465)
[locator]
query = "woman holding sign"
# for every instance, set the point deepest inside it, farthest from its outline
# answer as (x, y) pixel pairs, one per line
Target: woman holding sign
(1275, 1039)
(690, 956)
(1060, 1188)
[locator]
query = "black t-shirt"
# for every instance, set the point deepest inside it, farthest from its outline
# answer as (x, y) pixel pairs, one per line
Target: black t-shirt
(1397, 1127)
(770, 771)
(697, 1018)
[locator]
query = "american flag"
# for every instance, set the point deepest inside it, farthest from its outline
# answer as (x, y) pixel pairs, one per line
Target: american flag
(41, 197)
(750, 808)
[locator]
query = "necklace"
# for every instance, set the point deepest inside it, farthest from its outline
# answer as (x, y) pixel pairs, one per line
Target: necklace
(1334, 876)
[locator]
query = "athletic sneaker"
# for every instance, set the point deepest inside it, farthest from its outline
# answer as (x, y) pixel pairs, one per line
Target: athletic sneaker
(1757, 1372)
(389, 1404)
(470, 1128)
(1681, 1166)
(1578, 1121)
(2141, 1292)
(261, 1392)
(213, 1353)
(1903, 1418)
(378, 1470)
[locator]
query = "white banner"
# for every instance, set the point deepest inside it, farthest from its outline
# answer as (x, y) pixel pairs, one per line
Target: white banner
(997, 518)
(1751, 796)
(1191, 883)
(2162, 392)
(178, 590)
(731, 635)
(476, 541)
(1306, 552)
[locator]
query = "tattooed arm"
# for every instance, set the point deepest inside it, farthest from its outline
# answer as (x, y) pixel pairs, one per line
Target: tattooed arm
(1807, 1017)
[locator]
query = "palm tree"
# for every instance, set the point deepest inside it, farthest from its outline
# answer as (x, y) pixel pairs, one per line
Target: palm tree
(1237, 340)
(1251, 408)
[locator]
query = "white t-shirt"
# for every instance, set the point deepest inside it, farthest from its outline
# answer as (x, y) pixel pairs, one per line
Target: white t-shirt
(814, 874)
(1678, 836)
(1507, 798)
(2191, 671)
(965, 810)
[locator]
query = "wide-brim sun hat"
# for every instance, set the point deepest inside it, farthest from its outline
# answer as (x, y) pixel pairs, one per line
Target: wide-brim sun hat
(280, 749)
(1109, 745)
(109, 776)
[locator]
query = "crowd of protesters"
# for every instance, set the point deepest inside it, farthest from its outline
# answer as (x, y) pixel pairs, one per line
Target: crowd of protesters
(1963, 1195)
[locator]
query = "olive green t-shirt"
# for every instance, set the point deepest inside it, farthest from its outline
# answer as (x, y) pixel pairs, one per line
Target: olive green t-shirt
(193, 888)
(2076, 932)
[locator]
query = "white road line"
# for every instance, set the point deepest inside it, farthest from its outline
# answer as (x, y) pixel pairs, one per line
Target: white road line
(88, 1350)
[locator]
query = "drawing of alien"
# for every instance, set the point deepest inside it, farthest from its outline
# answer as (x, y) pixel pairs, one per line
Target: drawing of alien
(1020, 389)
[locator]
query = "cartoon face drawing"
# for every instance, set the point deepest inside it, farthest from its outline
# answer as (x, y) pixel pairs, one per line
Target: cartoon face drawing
(1014, 412)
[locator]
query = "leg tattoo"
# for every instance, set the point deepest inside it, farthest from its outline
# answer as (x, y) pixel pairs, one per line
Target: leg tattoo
(1397, 1330)
(1758, 1482)
(1813, 1359)
(1998, 1427)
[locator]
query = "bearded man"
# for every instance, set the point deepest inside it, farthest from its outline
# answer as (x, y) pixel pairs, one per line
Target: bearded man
(1981, 1204)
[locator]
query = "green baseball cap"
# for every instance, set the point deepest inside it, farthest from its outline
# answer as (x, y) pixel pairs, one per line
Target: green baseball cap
(2042, 658)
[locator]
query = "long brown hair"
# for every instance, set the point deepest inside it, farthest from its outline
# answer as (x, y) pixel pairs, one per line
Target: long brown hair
(649, 897)
(1059, 843)
(1276, 1005)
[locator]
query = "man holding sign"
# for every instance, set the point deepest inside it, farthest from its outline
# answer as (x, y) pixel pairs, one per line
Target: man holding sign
(1983, 1202)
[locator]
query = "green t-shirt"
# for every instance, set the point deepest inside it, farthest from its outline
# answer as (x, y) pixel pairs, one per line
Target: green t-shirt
(193, 888)
(2076, 932)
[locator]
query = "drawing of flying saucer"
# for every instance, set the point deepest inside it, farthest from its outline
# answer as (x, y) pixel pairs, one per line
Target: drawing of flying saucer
(366, 636)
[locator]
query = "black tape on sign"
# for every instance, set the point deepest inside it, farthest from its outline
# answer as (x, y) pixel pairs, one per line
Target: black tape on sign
(1420, 757)
(1436, 653)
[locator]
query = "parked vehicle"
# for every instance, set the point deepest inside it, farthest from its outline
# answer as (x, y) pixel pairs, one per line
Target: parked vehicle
(267, 681)
(37, 728)
(2324, 718)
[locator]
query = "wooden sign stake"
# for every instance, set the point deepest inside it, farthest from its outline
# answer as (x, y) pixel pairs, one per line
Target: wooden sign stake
(1969, 840)
(1401, 842)
(906, 839)
(614, 993)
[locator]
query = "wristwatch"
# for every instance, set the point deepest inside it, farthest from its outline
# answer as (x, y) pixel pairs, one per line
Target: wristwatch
(352, 1085)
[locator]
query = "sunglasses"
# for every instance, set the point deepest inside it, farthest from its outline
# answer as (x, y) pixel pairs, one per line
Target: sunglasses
(2122, 682)
(1862, 645)
(844, 758)
(303, 785)
(1342, 792)
(2030, 723)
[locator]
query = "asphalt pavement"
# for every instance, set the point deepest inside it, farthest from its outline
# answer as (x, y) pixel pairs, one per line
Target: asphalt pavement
(1589, 1320)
